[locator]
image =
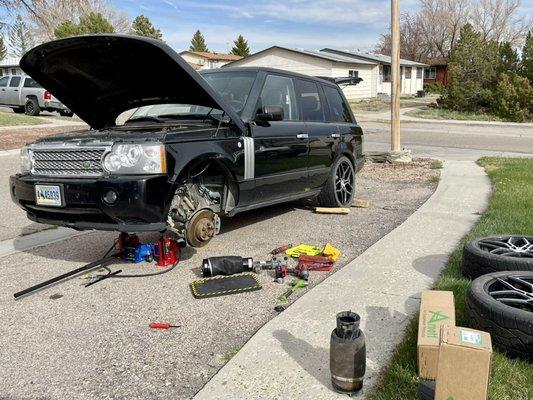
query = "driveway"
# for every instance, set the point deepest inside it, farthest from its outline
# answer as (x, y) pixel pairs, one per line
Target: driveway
(94, 343)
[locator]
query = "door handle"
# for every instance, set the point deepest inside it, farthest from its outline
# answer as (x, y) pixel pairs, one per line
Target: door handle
(335, 135)
(302, 136)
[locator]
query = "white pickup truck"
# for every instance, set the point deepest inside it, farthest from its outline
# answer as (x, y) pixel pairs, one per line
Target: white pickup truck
(24, 95)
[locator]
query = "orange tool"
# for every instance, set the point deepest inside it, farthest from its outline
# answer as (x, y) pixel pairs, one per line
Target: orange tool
(162, 325)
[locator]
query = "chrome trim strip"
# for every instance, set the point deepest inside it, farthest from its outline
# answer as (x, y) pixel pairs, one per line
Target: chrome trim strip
(249, 158)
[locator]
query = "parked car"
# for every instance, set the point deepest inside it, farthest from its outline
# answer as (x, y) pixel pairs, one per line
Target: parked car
(24, 94)
(195, 147)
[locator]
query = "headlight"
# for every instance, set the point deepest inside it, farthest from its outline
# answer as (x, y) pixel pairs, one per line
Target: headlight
(25, 160)
(136, 159)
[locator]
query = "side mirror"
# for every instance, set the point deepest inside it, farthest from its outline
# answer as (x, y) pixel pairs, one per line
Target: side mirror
(270, 113)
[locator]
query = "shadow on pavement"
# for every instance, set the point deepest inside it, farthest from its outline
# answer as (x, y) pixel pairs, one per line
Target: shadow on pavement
(432, 265)
(314, 360)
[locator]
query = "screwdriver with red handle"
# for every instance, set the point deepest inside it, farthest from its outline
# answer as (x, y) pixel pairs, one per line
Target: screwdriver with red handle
(163, 325)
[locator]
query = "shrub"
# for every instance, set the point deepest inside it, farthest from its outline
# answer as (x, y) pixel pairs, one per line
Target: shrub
(513, 98)
(433, 88)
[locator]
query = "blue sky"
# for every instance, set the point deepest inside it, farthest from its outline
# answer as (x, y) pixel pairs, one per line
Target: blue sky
(310, 24)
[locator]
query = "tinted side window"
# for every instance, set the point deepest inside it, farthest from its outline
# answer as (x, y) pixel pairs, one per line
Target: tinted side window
(279, 91)
(15, 81)
(309, 101)
(338, 109)
(30, 82)
(3, 81)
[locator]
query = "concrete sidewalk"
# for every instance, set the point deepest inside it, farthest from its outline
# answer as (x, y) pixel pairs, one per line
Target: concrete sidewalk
(288, 358)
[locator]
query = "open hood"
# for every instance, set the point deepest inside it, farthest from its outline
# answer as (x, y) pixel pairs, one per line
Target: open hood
(100, 76)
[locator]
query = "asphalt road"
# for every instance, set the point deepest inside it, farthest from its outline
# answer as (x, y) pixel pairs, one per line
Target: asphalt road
(435, 134)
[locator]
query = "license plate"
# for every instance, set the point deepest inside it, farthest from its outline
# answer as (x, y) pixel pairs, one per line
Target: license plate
(48, 195)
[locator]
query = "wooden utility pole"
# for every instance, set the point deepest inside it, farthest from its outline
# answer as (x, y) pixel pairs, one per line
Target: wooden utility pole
(395, 67)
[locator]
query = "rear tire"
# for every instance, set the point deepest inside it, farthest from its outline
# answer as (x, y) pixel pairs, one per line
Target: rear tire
(339, 189)
(66, 113)
(32, 107)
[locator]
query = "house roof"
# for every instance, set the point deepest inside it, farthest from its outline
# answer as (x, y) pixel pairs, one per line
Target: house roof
(319, 54)
(436, 61)
(214, 56)
(10, 62)
(378, 58)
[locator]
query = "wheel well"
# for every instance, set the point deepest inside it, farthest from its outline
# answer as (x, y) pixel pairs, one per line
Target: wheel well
(210, 168)
(31, 96)
(350, 157)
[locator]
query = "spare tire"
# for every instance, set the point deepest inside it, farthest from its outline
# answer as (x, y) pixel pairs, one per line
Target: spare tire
(497, 253)
(502, 304)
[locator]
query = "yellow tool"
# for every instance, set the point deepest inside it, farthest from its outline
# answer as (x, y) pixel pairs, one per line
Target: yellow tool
(331, 252)
(306, 249)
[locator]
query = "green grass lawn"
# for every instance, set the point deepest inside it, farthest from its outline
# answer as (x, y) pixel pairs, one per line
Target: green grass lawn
(510, 211)
(11, 119)
(440, 113)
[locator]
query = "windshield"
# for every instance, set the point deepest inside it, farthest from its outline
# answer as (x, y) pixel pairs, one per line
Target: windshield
(233, 87)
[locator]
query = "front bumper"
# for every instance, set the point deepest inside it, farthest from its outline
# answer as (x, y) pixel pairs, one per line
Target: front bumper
(141, 205)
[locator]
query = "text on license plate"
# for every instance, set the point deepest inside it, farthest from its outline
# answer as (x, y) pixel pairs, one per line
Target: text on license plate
(48, 195)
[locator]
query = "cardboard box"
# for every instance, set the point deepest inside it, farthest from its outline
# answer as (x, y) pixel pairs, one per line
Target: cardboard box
(436, 309)
(464, 364)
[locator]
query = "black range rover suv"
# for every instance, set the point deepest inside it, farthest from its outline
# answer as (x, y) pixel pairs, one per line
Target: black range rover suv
(191, 147)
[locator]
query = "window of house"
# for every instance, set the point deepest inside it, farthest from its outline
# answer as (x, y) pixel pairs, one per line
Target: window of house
(279, 91)
(419, 73)
(353, 73)
(430, 73)
(408, 72)
(15, 81)
(386, 73)
(338, 110)
(309, 101)
(13, 71)
(3, 81)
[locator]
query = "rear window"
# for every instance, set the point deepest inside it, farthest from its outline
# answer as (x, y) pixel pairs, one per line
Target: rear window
(309, 101)
(338, 109)
(30, 83)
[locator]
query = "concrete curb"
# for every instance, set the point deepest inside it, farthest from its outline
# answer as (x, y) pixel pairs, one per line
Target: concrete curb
(11, 152)
(288, 358)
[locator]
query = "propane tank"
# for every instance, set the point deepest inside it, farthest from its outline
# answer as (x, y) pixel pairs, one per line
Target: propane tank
(347, 357)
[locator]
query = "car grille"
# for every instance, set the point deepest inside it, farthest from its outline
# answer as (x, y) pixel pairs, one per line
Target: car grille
(85, 162)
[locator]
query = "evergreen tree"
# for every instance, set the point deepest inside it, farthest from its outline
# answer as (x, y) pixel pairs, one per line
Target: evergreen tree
(142, 26)
(3, 49)
(472, 72)
(240, 47)
(527, 58)
(198, 42)
(89, 23)
(20, 37)
(509, 60)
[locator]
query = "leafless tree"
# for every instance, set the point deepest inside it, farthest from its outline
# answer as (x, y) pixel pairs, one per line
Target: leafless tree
(497, 20)
(411, 39)
(50, 13)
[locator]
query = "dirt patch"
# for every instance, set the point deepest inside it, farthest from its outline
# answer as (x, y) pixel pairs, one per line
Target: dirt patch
(16, 138)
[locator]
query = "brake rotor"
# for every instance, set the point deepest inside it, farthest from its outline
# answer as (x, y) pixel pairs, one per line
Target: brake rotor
(201, 228)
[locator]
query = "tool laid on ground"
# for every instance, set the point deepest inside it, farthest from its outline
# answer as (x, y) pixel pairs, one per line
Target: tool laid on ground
(306, 249)
(166, 252)
(296, 284)
(347, 353)
(315, 263)
(226, 265)
(163, 325)
(281, 249)
(100, 278)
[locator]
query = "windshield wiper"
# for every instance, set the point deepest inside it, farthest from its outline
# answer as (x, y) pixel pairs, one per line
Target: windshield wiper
(146, 118)
(203, 117)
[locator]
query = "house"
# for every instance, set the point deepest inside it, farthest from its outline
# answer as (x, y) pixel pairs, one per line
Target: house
(316, 63)
(437, 72)
(205, 60)
(374, 71)
(411, 72)
(10, 66)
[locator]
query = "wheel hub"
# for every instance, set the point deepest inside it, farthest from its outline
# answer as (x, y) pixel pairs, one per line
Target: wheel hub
(514, 290)
(344, 178)
(514, 246)
(201, 228)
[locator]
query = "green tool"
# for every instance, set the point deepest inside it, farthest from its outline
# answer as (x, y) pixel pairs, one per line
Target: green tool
(296, 284)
